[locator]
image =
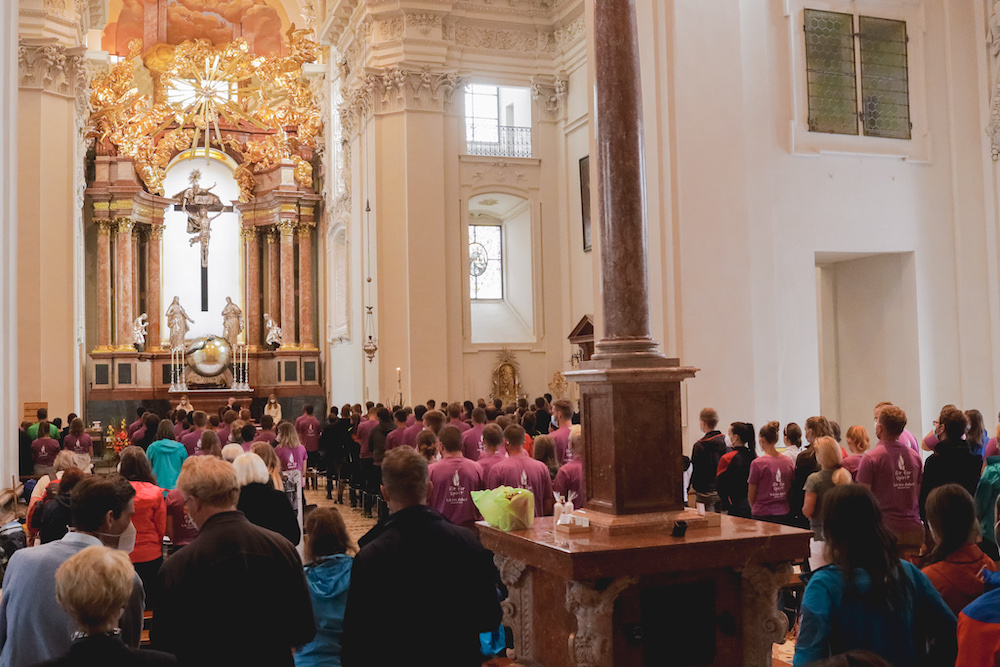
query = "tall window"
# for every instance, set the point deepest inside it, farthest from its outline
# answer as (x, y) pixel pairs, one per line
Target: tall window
(486, 261)
(836, 44)
(498, 120)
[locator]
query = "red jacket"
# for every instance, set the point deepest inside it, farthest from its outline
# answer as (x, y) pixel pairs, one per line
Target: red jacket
(959, 577)
(150, 521)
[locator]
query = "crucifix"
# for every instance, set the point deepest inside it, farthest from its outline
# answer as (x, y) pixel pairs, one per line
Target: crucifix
(197, 202)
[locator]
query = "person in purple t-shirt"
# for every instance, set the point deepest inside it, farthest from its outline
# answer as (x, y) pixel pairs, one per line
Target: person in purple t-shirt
(395, 437)
(905, 437)
(857, 443)
(493, 451)
(521, 471)
(411, 431)
(570, 476)
(190, 440)
(472, 440)
(267, 433)
(455, 417)
(562, 410)
(770, 479)
(44, 450)
(893, 471)
(180, 528)
(307, 426)
(453, 479)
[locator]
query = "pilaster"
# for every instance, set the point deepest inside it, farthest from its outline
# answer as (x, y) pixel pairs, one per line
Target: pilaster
(123, 282)
(286, 230)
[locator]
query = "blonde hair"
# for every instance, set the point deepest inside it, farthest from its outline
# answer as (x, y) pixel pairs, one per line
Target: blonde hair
(828, 455)
(576, 439)
(271, 460)
(232, 451)
(287, 435)
(210, 444)
(212, 481)
(93, 587)
(250, 469)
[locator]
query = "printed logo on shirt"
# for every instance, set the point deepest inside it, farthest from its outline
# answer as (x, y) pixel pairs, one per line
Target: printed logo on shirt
(903, 478)
(778, 490)
(777, 476)
(524, 479)
(456, 492)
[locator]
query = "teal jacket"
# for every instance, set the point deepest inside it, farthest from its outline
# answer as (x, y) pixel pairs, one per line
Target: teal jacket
(986, 496)
(836, 620)
(167, 457)
(328, 581)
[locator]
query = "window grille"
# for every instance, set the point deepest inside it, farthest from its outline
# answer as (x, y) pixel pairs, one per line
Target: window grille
(885, 91)
(832, 58)
(485, 261)
(487, 131)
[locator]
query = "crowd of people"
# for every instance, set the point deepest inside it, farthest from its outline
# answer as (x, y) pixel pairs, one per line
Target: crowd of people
(901, 565)
(203, 507)
(902, 558)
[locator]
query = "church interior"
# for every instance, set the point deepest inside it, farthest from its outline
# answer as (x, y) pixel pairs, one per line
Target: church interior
(390, 201)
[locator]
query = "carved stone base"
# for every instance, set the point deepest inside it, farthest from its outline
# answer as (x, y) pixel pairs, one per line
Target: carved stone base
(763, 624)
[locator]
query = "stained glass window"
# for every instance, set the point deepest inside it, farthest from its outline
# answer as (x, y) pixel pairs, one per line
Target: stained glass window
(832, 57)
(485, 261)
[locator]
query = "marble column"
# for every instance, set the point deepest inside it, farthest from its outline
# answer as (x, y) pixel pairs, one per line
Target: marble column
(305, 286)
(273, 273)
(253, 314)
(153, 247)
(287, 231)
(621, 183)
(136, 285)
(104, 228)
(123, 279)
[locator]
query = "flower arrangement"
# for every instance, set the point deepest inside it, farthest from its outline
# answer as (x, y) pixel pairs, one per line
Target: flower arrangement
(117, 438)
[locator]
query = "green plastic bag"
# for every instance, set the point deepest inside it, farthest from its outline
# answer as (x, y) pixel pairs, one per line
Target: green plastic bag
(506, 508)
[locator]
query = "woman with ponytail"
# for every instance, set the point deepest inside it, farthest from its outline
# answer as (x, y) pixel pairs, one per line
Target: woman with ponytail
(770, 479)
(734, 470)
(956, 565)
(831, 473)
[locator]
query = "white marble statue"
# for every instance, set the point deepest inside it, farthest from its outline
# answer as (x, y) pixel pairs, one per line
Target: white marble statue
(177, 319)
(273, 331)
(139, 330)
(232, 322)
(202, 223)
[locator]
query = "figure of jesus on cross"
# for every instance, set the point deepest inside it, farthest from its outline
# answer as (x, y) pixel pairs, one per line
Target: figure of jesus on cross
(201, 226)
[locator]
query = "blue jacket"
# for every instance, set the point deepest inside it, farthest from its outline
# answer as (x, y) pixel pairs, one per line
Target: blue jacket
(979, 627)
(167, 457)
(835, 621)
(328, 582)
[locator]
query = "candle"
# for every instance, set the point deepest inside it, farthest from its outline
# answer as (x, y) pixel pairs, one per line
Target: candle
(399, 374)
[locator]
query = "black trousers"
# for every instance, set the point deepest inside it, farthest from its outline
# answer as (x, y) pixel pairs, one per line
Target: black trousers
(149, 572)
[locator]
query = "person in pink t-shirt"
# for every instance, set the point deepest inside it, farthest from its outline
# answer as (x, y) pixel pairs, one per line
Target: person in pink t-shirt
(453, 479)
(563, 412)
(770, 479)
(455, 417)
(858, 444)
(411, 431)
(472, 440)
(307, 426)
(289, 449)
(44, 450)
(395, 436)
(521, 471)
(267, 432)
(493, 451)
(905, 436)
(77, 440)
(570, 476)
(190, 440)
(893, 471)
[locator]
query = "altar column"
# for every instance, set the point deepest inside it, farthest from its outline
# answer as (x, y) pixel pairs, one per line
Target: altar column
(305, 286)
(287, 230)
(273, 271)
(153, 248)
(253, 319)
(136, 285)
(123, 280)
(104, 228)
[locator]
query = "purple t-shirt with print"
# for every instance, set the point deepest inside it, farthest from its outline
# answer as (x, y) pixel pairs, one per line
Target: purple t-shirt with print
(292, 459)
(487, 461)
(472, 442)
(894, 472)
(454, 478)
(184, 529)
(394, 438)
(773, 477)
(523, 472)
(561, 438)
(77, 445)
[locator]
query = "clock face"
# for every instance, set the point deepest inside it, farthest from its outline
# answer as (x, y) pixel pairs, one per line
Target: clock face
(478, 259)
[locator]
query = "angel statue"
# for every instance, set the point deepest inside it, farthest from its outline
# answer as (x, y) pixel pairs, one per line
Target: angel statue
(177, 319)
(232, 322)
(273, 335)
(139, 330)
(201, 226)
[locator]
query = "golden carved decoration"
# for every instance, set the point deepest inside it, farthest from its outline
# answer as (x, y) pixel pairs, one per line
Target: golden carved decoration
(224, 91)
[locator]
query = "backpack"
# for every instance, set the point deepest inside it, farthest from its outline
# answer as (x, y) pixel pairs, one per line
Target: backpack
(38, 509)
(12, 538)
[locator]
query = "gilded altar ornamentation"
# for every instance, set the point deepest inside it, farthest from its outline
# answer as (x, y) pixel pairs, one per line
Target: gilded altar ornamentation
(506, 377)
(205, 95)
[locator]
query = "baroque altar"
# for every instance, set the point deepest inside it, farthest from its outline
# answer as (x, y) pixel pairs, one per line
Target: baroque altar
(204, 277)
